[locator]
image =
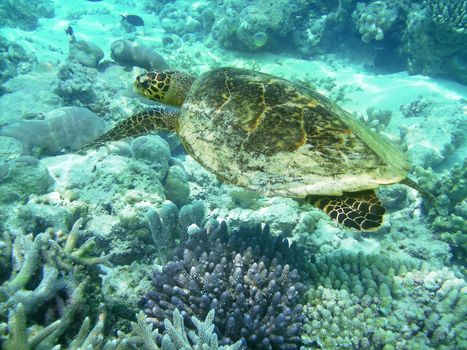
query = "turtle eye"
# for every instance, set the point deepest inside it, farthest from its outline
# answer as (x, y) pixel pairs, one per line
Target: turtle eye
(146, 84)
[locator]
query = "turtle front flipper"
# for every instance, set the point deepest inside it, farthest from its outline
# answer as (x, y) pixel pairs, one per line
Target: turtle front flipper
(362, 210)
(159, 118)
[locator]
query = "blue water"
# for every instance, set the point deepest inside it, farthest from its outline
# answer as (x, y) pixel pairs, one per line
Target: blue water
(288, 175)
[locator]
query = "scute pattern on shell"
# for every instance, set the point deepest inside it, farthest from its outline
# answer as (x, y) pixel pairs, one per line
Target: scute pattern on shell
(268, 134)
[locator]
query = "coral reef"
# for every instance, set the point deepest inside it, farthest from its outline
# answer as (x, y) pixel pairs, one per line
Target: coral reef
(127, 53)
(261, 24)
(14, 60)
(452, 14)
(63, 129)
(361, 301)
(418, 108)
(377, 119)
(375, 18)
(23, 13)
(75, 85)
(247, 277)
(321, 28)
(182, 20)
(433, 39)
(175, 336)
(204, 337)
(80, 86)
(169, 225)
(448, 215)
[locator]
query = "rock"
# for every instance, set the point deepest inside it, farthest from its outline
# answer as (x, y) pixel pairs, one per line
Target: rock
(128, 53)
(85, 53)
(66, 128)
(153, 151)
(10, 148)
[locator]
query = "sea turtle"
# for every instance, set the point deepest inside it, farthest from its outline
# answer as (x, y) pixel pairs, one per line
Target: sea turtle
(273, 136)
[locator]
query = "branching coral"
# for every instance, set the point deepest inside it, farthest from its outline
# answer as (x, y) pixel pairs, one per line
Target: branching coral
(22, 338)
(24, 292)
(245, 277)
(175, 336)
(452, 14)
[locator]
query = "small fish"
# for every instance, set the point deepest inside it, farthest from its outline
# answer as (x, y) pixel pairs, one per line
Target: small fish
(94, 0)
(69, 31)
(137, 21)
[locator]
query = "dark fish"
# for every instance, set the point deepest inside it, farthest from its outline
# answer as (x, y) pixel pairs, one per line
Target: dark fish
(137, 21)
(94, 0)
(69, 31)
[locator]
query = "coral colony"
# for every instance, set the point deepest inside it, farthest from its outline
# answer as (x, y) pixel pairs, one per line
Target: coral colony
(134, 245)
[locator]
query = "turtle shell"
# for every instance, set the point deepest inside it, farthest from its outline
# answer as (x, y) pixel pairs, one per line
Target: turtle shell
(270, 135)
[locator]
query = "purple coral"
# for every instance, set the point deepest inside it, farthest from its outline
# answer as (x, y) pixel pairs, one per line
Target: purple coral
(244, 276)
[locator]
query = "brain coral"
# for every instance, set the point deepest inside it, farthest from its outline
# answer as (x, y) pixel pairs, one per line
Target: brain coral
(244, 277)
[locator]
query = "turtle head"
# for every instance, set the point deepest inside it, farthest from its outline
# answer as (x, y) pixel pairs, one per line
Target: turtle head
(169, 87)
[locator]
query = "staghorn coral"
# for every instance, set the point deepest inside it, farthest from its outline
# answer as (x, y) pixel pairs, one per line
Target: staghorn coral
(39, 307)
(372, 302)
(175, 336)
(20, 337)
(245, 277)
(58, 258)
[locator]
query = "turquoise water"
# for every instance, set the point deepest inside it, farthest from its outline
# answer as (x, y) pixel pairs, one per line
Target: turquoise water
(260, 206)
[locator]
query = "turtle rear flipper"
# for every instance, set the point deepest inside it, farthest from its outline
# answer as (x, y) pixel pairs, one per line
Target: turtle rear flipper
(159, 118)
(359, 210)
